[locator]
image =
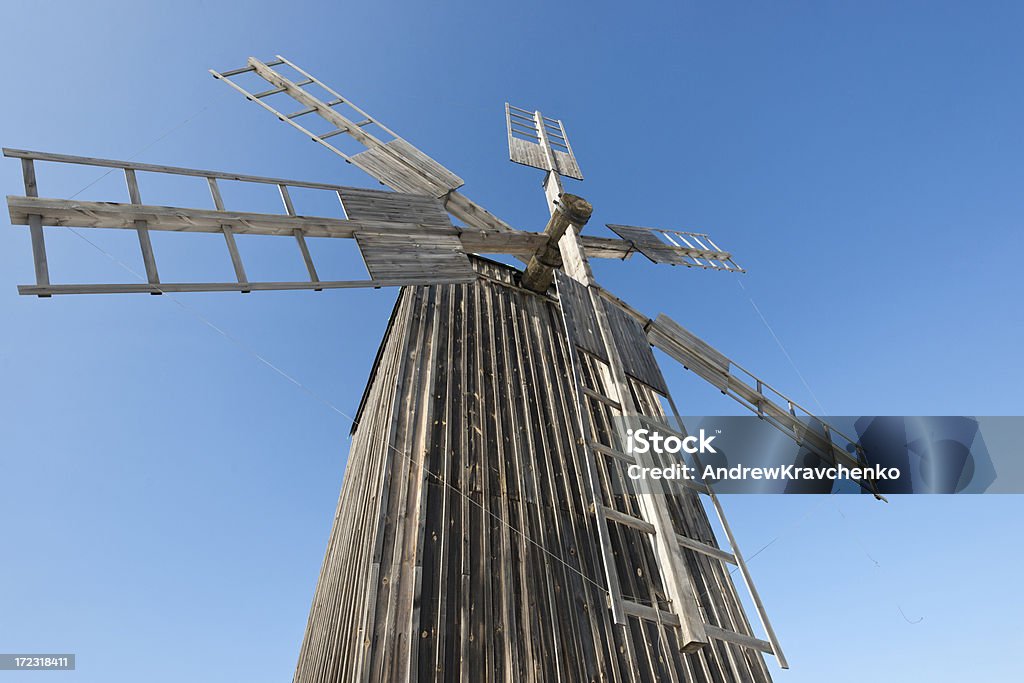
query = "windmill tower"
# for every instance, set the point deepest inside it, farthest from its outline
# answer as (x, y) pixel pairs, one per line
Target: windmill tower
(486, 528)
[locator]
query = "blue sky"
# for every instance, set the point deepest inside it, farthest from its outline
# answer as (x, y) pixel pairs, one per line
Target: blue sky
(165, 497)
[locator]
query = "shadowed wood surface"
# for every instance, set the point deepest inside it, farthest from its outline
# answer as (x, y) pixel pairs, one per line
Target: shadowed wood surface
(463, 546)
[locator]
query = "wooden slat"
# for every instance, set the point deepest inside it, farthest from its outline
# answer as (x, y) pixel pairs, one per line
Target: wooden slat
(287, 199)
(157, 168)
(236, 258)
(423, 256)
(35, 226)
(306, 258)
(648, 244)
(738, 639)
(612, 453)
(575, 303)
(635, 609)
(709, 550)
(392, 207)
(601, 397)
(130, 288)
(628, 520)
(142, 229)
(218, 201)
(634, 349)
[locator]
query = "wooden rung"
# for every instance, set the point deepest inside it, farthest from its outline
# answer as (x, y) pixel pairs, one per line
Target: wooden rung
(274, 91)
(738, 639)
(287, 199)
(301, 112)
(218, 201)
(661, 427)
(306, 258)
(35, 227)
(618, 455)
(148, 259)
(635, 609)
(234, 72)
(236, 258)
(602, 398)
(709, 550)
(268, 93)
(614, 515)
(275, 62)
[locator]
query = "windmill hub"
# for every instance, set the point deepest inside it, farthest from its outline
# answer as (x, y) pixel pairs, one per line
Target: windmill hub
(570, 210)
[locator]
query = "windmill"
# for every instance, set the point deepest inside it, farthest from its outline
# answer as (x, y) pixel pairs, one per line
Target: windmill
(486, 529)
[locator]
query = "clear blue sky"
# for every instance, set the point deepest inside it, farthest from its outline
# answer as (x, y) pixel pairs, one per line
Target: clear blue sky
(165, 498)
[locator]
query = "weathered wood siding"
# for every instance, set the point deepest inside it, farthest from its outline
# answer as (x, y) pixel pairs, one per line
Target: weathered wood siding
(462, 547)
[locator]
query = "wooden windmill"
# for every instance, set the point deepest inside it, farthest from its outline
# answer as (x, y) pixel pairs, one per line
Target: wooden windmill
(486, 528)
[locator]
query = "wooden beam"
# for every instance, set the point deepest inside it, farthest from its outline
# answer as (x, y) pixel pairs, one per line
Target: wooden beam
(287, 199)
(130, 288)
(572, 211)
(306, 258)
(218, 201)
(35, 225)
(140, 225)
(157, 168)
(84, 214)
(236, 258)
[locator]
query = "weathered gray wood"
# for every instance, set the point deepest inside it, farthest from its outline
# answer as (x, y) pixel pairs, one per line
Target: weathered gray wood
(706, 362)
(38, 251)
(387, 161)
(647, 242)
(708, 550)
(675, 574)
(739, 639)
(287, 199)
(157, 168)
(306, 258)
(76, 213)
(395, 280)
(423, 256)
(537, 151)
(35, 223)
(141, 228)
(218, 201)
(236, 258)
(634, 349)
(571, 211)
(28, 172)
(463, 548)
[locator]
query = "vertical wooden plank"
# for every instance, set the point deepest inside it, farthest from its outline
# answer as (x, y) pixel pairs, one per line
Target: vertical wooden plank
(35, 227)
(236, 258)
(218, 201)
(148, 259)
(287, 199)
(306, 258)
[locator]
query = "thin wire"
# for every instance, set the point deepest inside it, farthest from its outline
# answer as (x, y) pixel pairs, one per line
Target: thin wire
(782, 347)
(143, 149)
(878, 565)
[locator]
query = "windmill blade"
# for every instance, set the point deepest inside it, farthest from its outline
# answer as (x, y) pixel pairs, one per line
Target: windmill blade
(677, 248)
(403, 238)
(393, 161)
(757, 396)
(540, 141)
(695, 354)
